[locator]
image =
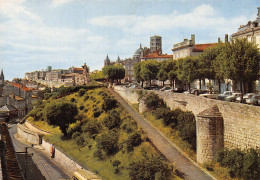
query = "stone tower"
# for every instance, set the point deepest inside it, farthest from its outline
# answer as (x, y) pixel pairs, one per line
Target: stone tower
(210, 134)
(156, 44)
(107, 61)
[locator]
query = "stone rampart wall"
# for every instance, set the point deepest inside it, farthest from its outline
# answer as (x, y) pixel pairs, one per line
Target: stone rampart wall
(241, 121)
(27, 135)
(62, 159)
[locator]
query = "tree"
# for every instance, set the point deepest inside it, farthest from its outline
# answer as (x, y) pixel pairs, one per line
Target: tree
(133, 141)
(137, 72)
(239, 61)
(162, 75)
(149, 70)
(113, 120)
(114, 72)
(187, 70)
(61, 114)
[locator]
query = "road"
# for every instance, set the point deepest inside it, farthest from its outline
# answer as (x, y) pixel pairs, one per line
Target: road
(167, 148)
(41, 164)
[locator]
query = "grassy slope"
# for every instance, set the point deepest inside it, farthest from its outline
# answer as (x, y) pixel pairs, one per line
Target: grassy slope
(84, 155)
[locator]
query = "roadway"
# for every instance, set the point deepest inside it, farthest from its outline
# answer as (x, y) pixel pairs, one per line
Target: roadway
(39, 165)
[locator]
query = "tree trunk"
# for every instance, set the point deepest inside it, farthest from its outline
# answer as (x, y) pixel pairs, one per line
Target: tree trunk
(163, 83)
(219, 86)
(242, 91)
(150, 81)
(142, 84)
(199, 83)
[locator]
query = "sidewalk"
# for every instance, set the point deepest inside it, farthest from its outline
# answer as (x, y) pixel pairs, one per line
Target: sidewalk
(168, 149)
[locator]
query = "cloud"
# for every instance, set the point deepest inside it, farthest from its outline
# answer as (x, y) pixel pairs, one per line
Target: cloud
(202, 17)
(56, 3)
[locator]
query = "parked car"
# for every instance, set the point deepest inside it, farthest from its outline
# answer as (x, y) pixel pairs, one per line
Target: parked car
(178, 90)
(211, 95)
(245, 97)
(233, 97)
(255, 99)
(165, 88)
(224, 95)
(169, 90)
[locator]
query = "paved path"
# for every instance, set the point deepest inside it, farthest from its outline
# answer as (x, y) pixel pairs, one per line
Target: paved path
(168, 149)
(48, 167)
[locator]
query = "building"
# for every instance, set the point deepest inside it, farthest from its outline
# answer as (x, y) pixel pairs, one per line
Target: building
(251, 31)
(59, 77)
(157, 56)
(107, 61)
(156, 44)
(2, 81)
(188, 48)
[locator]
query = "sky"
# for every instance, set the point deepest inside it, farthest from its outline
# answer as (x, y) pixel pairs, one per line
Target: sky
(35, 34)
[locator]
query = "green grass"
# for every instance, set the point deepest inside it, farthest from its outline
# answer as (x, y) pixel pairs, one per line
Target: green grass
(171, 134)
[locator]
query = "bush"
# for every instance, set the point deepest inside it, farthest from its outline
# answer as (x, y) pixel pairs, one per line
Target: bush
(98, 154)
(149, 168)
(80, 141)
(75, 135)
(108, 142)
(81, 92)
(112, 120)
(166, 115)
(109, 103)
(86, 98)
(82, 107)
(116, 163)
(72, 100)
(92, 127)
(153, 101)
(240, 163)
(133, 141)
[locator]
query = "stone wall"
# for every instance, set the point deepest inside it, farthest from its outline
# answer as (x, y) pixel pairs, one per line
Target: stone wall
(27, 135)
(241, 121)
(128, 94)
(61, 158)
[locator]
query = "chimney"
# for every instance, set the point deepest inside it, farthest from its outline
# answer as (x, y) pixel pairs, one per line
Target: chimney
(226, 38)
(193, 39)
(219, 40)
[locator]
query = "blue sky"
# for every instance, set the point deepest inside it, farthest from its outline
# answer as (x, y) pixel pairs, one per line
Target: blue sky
(65, 33)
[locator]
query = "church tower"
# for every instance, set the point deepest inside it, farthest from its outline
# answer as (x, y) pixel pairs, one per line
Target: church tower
(2, 80)
(107, 61)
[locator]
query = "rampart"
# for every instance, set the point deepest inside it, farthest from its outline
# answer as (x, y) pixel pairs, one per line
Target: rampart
(241, 121)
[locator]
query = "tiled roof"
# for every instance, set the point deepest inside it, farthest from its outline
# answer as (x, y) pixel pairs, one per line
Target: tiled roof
(155, 55)
(19, 86)
(202, 47)
(76, 68)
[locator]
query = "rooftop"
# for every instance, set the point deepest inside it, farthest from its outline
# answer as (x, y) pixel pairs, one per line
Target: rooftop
(22, 87)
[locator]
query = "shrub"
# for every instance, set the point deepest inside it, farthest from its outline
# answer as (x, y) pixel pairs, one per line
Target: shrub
(86, 98)
(112, 120)
(81, 92)
(98, 154)
(133, 141)
(116, 163)
(109, 103)
(166, 115)
(75, 135)
(72, 100)
(153, 101)
(81, 107)
(149, 168)
(80, 141)
(108, 142)
(92, 127)
(251, 163)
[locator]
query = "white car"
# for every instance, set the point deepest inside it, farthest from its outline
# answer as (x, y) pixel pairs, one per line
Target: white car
(233, 97)
(254, 100)
(224, 95)
(245, 97)
(212, 95)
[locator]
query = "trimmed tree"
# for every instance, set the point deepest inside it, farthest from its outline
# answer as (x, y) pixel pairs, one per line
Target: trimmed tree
(61, 114)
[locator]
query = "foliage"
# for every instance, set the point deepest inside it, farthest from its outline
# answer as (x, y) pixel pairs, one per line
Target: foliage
(92, 127)
(162, 75)
(240, 163)
(81, 92)
(149, 70)
(149, 168)
(61, 114)
(116, 163)
(108, 142)
(114, 72)
(97, 75)
(153, 101)
(109, 103)
(166, 115)
(113, 120)
(133, 141)
(98, 153)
